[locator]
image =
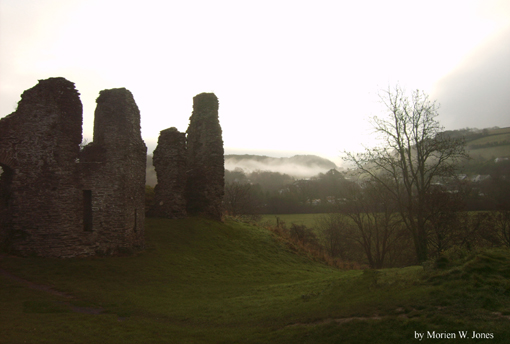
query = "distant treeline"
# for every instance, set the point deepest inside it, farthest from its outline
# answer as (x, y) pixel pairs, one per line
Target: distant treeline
(489, 144)
(486, 188)
(469, 134)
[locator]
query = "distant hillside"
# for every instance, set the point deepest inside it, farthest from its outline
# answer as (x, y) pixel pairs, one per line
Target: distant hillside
(297, 166)
(486, 144)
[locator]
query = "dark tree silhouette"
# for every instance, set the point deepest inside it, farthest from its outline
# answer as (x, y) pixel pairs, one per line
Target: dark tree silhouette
(414, 154)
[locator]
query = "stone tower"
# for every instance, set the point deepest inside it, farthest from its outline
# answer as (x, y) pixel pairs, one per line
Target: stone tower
(206, 163)
(169, 160)
(113, 172)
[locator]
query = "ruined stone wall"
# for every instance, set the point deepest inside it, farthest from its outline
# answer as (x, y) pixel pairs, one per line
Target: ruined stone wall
(39, 144)
(206, 165)
(56, 201)
(169, 160)
(113, 170)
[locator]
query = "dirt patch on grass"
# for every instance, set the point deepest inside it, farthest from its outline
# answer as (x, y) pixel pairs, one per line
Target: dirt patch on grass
(335, 320)
(32, 285)
(400, 314)
(48, 289)
(501, 315)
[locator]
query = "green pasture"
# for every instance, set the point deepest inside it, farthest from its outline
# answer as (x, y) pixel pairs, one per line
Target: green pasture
(488, 153)
(500, 138)
(497, 145)
(201, 281)
(499, 131)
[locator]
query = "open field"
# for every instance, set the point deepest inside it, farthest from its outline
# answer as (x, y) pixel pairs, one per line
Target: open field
(488, 153)
(201, 281)
(492, 139)
(499, 131)
(496, 144)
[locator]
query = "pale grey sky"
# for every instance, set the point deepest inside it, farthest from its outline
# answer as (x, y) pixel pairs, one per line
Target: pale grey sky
(292, 77)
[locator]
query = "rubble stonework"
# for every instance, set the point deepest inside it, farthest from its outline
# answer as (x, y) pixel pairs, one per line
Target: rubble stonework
(116, 174)
(56, 201)
(59, 201)
(205, 164)
(169, 161)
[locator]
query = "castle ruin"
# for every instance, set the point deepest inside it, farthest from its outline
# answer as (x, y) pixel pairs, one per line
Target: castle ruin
(59, 201)
(190, 167)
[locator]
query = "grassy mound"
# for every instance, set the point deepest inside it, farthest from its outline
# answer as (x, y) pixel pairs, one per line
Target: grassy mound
(200, 281)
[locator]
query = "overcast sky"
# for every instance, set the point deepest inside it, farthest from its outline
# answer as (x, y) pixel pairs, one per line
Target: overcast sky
(292, 77)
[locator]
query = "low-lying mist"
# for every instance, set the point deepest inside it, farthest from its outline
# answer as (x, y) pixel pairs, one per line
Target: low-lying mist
(299, 166)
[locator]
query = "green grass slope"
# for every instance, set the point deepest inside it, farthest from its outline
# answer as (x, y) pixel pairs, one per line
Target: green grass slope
(200, 281)
(495, 144)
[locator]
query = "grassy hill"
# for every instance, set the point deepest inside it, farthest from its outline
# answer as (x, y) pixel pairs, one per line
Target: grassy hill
(200, 281)
(495, 143)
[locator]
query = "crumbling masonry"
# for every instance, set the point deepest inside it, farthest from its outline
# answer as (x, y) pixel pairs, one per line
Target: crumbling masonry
(58, 201)
(169, 161)
(205, 184)
(191, 170)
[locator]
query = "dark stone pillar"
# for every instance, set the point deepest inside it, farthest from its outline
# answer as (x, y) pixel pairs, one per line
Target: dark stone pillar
(206, 166)
(113, 169)
(169, 160)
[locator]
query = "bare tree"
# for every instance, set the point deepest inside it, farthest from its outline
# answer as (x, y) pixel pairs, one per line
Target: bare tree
(239, 199)
(503, 226)
(446, 225)
(378, 225)
(414, 154)
(335, 236)
(495, 227)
